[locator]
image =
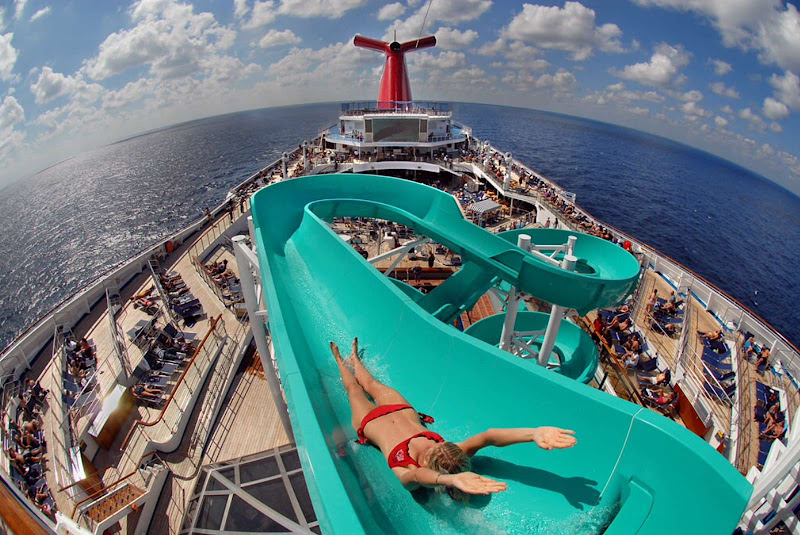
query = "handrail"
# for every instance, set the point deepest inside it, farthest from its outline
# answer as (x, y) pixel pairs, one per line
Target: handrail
(96, 494)
(96, 474)
(177, 384)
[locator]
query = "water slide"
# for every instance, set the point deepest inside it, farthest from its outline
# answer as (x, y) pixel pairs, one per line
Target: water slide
(632, 471)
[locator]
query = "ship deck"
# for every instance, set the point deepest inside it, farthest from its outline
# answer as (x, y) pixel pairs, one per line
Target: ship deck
(249, 423)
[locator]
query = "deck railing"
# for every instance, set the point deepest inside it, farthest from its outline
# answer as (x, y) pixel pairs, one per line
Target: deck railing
(189, 381)
(103, 491)
(200, 247)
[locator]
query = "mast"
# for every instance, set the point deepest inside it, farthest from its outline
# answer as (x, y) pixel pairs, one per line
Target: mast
(394, 82)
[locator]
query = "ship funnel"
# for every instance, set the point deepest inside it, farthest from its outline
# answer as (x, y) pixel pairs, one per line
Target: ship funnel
(394, 83)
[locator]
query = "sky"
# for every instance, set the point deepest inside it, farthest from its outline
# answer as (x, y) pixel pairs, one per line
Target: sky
(719, 75)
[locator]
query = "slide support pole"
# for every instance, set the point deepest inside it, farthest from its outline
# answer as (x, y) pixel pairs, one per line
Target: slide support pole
(257, 323)
(512, 304)
(557, 312)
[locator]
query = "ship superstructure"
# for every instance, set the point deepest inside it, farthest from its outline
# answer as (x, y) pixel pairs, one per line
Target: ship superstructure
(172, 418)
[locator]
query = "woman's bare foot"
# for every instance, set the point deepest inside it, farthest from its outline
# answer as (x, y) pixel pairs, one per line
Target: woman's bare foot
(336, 354)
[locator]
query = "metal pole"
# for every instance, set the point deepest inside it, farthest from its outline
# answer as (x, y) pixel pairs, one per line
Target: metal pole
(512, 304)
(557, 312)
(284, 157)
(305, 155)
(259, 331)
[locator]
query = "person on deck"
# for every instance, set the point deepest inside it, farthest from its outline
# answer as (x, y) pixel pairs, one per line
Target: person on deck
(763, 357)
(149, 393)
(419, 457)
(651, 303)
(750, 347)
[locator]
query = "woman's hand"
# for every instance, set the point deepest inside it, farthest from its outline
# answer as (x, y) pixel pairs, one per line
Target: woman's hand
(549, 438)
(472, 483)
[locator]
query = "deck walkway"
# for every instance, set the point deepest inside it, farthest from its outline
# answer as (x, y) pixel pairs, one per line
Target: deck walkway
(249, 423)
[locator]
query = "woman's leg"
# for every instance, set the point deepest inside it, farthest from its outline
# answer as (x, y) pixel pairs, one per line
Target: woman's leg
(382, 394)
(359, 404)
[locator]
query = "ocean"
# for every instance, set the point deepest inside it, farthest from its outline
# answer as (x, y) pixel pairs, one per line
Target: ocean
(69, 223)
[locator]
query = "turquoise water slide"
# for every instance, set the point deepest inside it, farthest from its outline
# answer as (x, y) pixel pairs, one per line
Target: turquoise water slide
(632, 471)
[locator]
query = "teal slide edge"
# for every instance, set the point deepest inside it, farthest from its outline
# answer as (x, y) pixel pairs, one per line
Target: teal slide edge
(318, 288)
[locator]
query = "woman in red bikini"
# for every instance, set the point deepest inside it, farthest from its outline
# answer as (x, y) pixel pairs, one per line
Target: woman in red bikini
(419, 457)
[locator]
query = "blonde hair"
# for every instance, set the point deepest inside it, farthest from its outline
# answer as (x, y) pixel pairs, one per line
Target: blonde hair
(448, 458)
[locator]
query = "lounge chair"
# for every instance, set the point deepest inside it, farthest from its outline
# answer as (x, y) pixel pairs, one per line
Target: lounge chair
(720, 376)
(726, 395)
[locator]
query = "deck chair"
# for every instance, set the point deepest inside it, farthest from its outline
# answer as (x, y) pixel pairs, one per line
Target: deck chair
(716, 392)
(718, 365)
(720, 376)
(649, 365)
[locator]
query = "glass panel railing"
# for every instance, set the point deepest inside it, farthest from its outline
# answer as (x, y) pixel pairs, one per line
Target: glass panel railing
(394, 106)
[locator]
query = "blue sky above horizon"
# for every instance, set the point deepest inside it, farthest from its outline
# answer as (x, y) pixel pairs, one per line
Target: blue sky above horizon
(720, 75)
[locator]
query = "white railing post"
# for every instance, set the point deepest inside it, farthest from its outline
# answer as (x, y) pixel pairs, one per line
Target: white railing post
(512, 303)
(259, 329)
(557, 312)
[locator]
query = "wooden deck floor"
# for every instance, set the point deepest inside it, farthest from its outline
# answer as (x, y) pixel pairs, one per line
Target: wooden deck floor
(248, 423)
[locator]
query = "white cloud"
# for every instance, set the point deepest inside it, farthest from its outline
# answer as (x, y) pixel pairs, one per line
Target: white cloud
(492, 48)
(391, 11)
(756, 122)
(19, 7)
(11, 113)
(168, 37)
(766, 150)
(787, 89)
(451, 12)
(639, 111)
(337, 61)
(444, 60)
(240, 8)
(721, 68)
(560, 83)
(52, 85)
(692, 96)
(617, 93)
(775, 109)
(8, 56)
(471, 75)
(721, 122)
(278, 38)
(451, 39)
(720, 89)
(663, 69)
(768, 26)
(263, 14)
(2, 18)
(331, 9)
(571, 28)
(692, 109)
(775, 127)
(41, 13)
(727, 109)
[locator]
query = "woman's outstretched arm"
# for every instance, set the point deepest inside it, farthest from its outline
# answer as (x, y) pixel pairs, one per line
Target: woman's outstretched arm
(468, 482)
(547, 438)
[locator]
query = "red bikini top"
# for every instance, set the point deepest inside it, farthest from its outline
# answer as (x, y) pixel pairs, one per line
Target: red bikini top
(399, 455)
